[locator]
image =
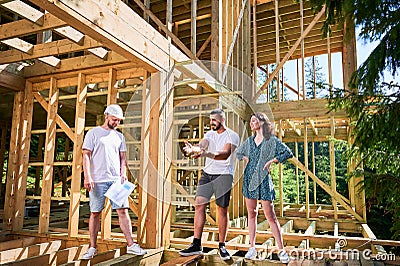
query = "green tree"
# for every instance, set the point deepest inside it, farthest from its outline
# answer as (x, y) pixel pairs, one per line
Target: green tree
(372, 102)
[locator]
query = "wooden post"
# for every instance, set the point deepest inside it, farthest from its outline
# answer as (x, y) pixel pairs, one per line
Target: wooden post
(65, 168)
(106, 214)
(39, 158)
(18, 160)
(215, 35)
(2, 155)
(155, 167)
(306, 165)
(277, 50)
(48, 158)
(10, 197)
(193, 27)
(280, 174)
(296, 152)
(81, 93)
(333, 166)
(302, 49)
(349, 54)
(313, 170)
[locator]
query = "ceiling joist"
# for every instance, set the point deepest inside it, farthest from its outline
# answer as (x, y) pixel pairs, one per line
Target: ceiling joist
(25, 11)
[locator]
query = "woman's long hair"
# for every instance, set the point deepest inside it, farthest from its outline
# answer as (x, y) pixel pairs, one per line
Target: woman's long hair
(267, 127)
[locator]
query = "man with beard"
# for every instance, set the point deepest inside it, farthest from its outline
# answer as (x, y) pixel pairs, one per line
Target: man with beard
(217, 147)
(104, 162)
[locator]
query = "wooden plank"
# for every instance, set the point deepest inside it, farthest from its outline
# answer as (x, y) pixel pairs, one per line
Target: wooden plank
(106, 213)
(46, 49)
(99, 52)
(71, 33)
(118, 28)
(367, 232)
(57, 257)
(19, 44)
(48, 168)
(24, 27)
(10, 196)
(51, 61)
(25, 11)
(30, 251)
(75, 195)
(74, 64)
(17, 243)
(183, 261)
(333, 164)
(24, 143)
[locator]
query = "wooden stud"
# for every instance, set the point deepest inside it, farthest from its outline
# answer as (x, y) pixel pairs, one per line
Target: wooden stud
(75, 195)
(48, 158)
(3, 140)
(291, 51)
(193, 27)
(333, 164)
(305, 174)
(313, 170)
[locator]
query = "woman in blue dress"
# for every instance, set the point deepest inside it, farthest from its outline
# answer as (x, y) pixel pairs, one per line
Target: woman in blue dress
(259, 152)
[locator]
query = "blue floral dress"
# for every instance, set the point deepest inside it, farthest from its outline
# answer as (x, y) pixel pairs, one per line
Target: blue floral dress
(257, 182)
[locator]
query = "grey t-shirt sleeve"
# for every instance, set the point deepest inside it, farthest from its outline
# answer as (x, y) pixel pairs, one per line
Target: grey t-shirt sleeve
(88, 142)
(123, 144)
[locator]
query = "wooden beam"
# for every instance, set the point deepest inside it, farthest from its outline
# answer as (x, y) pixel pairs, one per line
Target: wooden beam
(50, 142)
(25, 11)
(118, 27)
(99, 52)
(11, 81)
(24, 144)
(367, 232)
(313, 127)
(332, 161)
(291, 51)
(305, 244)
(72, 34)
(47, 49)
(30, 251)
(74, 64)
(24, 27)
(12, 171)
(204, 46)
(325, 187)
(294, 127)
(75, 195)
(61, 123)
(51, 61)
(19, 44)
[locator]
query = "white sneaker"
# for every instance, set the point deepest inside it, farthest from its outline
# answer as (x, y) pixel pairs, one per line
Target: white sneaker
(251, 254)
(283, 256)
(89, 254)
(136, 249)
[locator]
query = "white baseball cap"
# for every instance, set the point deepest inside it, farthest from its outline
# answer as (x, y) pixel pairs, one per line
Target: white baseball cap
(114, 110)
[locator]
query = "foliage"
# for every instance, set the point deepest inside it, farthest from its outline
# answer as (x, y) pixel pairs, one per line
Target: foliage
(372, 103)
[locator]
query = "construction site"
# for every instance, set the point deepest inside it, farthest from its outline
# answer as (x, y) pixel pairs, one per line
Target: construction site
(168, 64)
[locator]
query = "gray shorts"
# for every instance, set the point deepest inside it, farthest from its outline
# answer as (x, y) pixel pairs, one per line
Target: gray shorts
(97, 198)
(221, 185)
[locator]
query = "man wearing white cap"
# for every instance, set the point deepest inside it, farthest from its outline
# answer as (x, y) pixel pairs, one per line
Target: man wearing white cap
(104, 162)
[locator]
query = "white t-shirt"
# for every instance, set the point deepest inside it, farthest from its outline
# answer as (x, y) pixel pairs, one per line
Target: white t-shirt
(216, 142)
(105, 146)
